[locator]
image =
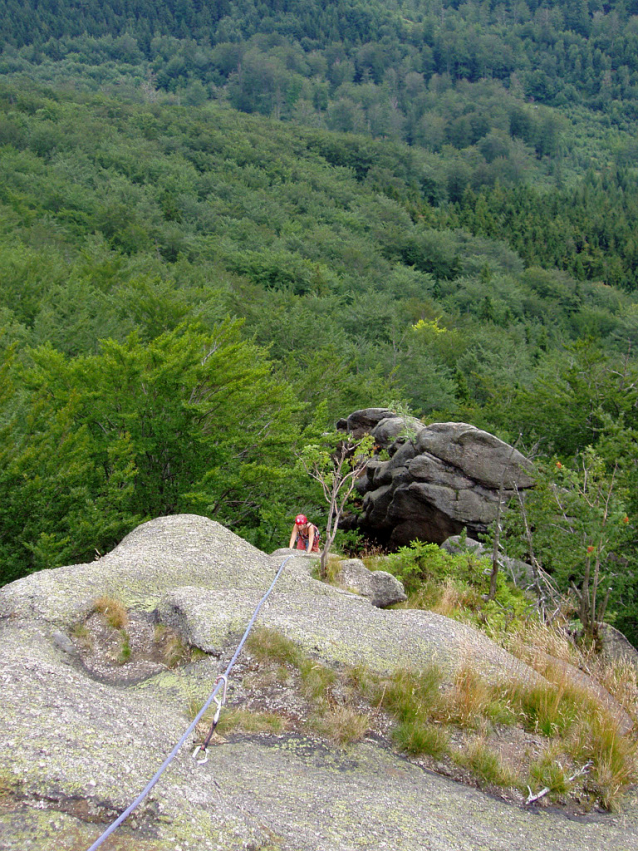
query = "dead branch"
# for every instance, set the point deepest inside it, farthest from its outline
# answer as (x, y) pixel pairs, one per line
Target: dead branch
(531, 798)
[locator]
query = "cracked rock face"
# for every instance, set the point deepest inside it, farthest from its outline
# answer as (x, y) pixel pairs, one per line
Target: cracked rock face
(77, 746)
(439, 479)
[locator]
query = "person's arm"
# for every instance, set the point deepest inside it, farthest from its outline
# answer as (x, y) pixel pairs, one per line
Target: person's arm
(293, 537)
(311, 537)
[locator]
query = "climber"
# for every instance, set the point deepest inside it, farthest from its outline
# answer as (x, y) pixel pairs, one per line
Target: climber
(306, 534)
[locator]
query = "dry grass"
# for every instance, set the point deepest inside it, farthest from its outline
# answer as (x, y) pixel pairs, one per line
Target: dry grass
(580, 730)
(237, 719)
(548, 772)
(620, 678)
(374, 561)
(333, 567)
(408, 694)
(574, 723)
(316, 679)
(342, 724)
(485, 764)
(455, 596)
(250, 722)
(174, 649)
(268, 645)
(419, 737)
(534, 641)
(548, 708)
(83, 635)
(113, 610)
(466, 702)
(567, 715)
(614, 757)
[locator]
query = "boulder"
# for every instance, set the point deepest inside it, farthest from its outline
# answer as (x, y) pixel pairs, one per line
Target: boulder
(456, 544)
(362, 422)
(391, 429)
(479, 454)
(380, 587)
(520, 572)
(616, 648)
(437, 480)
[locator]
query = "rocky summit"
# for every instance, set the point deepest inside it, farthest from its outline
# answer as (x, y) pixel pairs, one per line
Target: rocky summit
(82, 732)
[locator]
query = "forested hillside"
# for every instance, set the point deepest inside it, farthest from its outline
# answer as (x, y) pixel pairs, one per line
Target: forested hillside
(224, 226)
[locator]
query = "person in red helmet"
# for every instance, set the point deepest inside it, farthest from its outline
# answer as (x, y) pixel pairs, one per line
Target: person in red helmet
(305, 534)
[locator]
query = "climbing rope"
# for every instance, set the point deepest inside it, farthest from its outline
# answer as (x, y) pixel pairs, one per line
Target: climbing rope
(221, 683)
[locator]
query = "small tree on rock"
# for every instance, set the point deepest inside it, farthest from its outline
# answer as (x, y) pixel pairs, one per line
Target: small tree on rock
(336, 465)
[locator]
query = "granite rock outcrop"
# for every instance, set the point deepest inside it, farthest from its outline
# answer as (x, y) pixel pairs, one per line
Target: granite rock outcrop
(436, 480)
(77, 747)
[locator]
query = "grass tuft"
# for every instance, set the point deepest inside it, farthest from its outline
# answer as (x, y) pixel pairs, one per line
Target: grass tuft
(547, 772)
(485, 764)
(83, 635)
(269, 645)
(316, 679)
(614, 757)
(409, 694)
(467, 702)
(238, 719)
(417, 737)
(250, 722)
(548, 708)
(343, 724)
(125, 649)
(174, 649)
(114, 612)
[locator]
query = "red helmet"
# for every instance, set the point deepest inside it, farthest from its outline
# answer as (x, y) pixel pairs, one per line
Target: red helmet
(301, 520)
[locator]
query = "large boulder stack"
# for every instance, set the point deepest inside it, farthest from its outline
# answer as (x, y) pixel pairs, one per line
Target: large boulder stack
(438, 479)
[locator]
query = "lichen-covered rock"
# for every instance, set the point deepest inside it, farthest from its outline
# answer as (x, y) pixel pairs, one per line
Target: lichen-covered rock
(386, 589)
(380, 587)
(75, 750)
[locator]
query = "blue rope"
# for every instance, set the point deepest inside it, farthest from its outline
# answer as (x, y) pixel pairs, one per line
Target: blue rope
(193, 724)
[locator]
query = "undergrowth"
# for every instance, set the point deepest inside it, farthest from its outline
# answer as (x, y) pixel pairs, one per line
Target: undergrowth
(584, 749)
(459, 721)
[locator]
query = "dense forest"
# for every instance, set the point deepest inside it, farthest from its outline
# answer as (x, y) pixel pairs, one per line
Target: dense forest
(224, 226)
